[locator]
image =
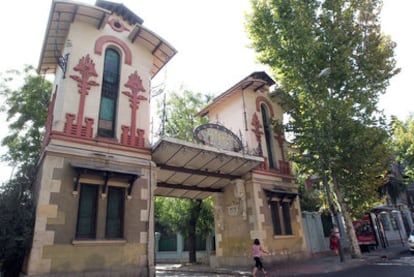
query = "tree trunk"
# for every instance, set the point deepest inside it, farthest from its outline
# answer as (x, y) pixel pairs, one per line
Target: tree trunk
(355, 251)
(194, 214)
(192, 253)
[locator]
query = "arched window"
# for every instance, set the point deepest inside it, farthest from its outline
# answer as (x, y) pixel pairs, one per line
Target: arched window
(109, 94)
(268, 136)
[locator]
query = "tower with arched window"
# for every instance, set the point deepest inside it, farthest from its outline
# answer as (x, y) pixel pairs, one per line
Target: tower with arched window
(96, 179)
(264, 202)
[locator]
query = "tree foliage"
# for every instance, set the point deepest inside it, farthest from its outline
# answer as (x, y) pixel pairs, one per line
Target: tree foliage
(403, 143)
(311, 200)
(173, 212)
(179, 114)
(359, 173)
(190, 217)
(26, 108)
(332, 63)
(16, 223)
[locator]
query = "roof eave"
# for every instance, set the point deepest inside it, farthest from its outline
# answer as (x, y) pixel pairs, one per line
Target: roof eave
(161, 50)
(43, 65)
(243, 84)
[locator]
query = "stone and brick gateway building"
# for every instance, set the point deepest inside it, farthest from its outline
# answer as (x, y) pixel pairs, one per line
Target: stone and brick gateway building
(98, 173)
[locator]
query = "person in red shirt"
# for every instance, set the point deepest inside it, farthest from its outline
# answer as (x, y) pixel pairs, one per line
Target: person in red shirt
(334, 240)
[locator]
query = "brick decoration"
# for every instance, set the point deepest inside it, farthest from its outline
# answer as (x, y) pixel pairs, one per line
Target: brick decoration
(262, 99)
(100, 42)
(77, 130)
(131, 136)
(257, 130)
(86, 68)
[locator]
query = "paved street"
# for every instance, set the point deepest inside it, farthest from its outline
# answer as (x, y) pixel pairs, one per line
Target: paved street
(399, 267)
(188, 274)
(175, 270)
(394, 261)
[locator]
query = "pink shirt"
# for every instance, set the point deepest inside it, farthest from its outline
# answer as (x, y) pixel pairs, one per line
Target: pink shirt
(256, 250)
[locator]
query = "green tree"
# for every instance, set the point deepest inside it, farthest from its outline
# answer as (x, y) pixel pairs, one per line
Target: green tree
(16, 223)
(311, 200)
(26, 108)
(359, 180)
(332, 63)
(190, 217)
(179, 114)
(360, 166)
(403, 143)
(402, 169)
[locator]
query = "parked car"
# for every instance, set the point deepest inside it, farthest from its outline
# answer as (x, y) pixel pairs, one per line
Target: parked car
(410, 242)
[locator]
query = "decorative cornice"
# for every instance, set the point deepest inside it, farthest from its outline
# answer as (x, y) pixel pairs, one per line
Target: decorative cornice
(262, 99)
(100, 42)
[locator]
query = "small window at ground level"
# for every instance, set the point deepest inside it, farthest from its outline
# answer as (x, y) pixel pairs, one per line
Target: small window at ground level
(277, 227)
(281, 220)
(286, 218)
(90, 216)
(115, 213)
(86, 224)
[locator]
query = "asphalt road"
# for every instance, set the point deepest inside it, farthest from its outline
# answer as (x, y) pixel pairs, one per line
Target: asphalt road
(402, 266)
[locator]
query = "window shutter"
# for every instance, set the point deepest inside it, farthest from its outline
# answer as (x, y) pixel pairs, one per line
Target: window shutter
(115, 212)
(86, 227)
(286, 218)
(277, 228)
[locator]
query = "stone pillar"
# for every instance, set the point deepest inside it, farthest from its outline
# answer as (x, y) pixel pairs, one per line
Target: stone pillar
(157, 241)
(240, 194)
(180, 246)
(42, 238)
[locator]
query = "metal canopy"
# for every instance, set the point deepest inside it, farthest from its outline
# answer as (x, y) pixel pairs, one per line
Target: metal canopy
(189, 170)
(63, 13)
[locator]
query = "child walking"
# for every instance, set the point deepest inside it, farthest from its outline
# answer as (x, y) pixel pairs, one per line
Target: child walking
(334, 240)
(257, 250)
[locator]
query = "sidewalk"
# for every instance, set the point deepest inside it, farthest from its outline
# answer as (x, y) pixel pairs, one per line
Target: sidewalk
(332, 263)
(324, 264)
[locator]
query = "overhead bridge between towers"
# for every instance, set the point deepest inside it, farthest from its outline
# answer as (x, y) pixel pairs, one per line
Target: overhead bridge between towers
(189, 170)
